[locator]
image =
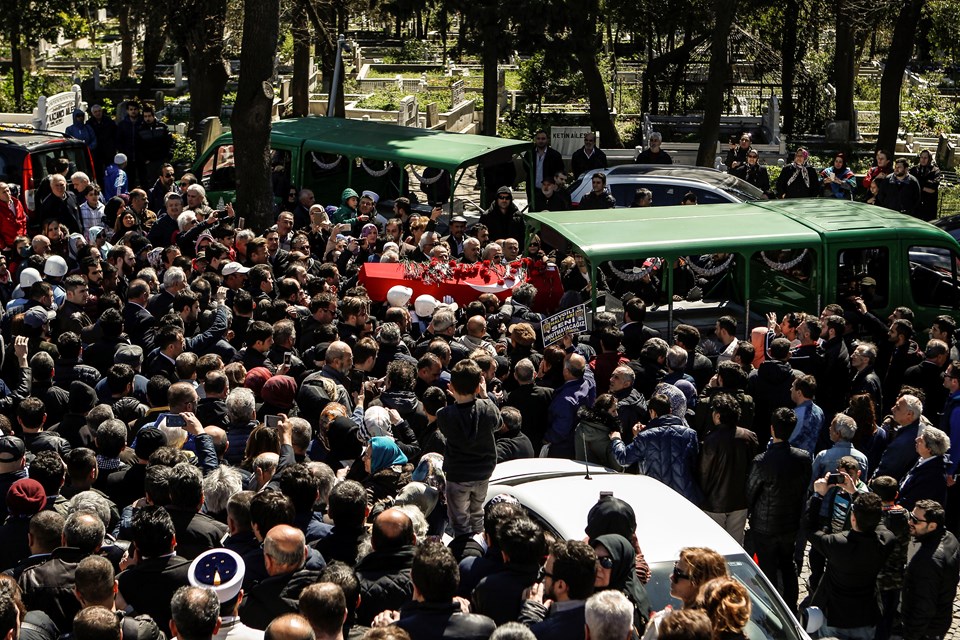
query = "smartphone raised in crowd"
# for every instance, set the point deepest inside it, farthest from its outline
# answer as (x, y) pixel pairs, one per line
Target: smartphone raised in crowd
(172, 420)
(271, 421)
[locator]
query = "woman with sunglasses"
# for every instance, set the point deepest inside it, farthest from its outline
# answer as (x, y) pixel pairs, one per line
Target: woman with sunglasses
(616, 569)
(696, 567)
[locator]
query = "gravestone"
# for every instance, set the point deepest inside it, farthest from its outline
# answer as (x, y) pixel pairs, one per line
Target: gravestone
(457, 94)
(408, 115)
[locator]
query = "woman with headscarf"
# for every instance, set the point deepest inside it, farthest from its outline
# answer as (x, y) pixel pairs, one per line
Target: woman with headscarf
(613, 515)
(678, 401)
(838, 179)
(279, 394)
(616, 569)
(927, 174)
(385, 466)
(429, 471)
(75, 242)
(798, 179)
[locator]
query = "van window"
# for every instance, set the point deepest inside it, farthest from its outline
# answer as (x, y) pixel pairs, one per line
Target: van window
(76, 155)
(933, 276)
(784, 278)
(219, 171)
(856, 263)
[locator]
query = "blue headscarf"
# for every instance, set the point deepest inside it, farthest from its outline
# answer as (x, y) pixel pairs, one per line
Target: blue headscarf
(384, 453)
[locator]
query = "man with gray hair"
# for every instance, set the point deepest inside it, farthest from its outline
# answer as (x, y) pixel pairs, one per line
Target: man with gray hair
(174, 281)
(927, 479)
(928, 376)
(842, 430)
(609, 616)
(579, 389)
(901, 452)
(195, 613)
(512, 443)
(218, 487)
(284, 554)
(531, 400)
(241, 421)
(653, 154)
(631, 405)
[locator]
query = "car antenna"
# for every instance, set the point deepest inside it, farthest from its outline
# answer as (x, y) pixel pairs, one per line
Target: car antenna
(586, 465)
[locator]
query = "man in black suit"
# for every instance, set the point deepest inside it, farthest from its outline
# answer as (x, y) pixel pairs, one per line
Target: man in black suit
(532, 401)
(928, 375)
(927, 479)
(148, 586)
(635, 333)
(196, 532)
(285, 556)
(588, 157)
(546, 161)
(60, 205)
(139, 323)
(170, 344)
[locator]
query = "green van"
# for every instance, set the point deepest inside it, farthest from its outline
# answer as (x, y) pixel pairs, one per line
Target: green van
(785, 255)
(326, 155)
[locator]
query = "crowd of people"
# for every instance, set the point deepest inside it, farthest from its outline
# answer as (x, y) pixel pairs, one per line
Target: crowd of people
(210, 431)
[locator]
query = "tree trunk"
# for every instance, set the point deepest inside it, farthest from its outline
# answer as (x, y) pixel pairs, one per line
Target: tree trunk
(126, 41)
(584, 41)
(16, 60)
(901, 48)
(300, 84)
(199, 28)
(788, 54)
(724, 14)
(490, 60)
(155, 27)
(251, 113)
(844, 61)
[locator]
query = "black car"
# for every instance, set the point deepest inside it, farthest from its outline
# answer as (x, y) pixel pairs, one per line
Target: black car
(25, 154)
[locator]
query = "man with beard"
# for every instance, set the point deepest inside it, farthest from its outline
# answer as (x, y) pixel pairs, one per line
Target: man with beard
(164, 185)
(124, 261)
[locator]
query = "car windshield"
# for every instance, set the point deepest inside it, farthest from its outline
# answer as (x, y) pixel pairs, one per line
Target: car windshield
(769, 620)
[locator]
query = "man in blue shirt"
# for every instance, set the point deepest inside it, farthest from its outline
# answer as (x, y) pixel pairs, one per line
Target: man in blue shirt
(809, 415)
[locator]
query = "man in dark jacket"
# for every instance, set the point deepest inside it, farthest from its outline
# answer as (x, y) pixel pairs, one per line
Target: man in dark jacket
(149, 584)
(770, 387)
(285, 556)
(776, 488)
(930, 583)
(512, 442)
(835, 382)
(847, 593)
(587, 157)
(567, 579)
(631, 405)
(347, 507)
(48, 587)
(196, 532)
(434, 614)
(545, 160)
(502, 218)
(865, 378)
(725, 455)
(905, 354)
(928, 376)
(384, 573)
(899, 191)
(901, 452)
(500, 594)
(154, 145)
(532, 401)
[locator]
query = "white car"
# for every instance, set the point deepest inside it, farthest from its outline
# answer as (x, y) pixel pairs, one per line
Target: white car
(559, 495)
(668, 183)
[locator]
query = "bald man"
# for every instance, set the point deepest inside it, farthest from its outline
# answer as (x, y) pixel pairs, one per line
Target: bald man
(284, 556)
(384, 573)
(291, 626)
(337, 364)
(476, 336)
(579, 389)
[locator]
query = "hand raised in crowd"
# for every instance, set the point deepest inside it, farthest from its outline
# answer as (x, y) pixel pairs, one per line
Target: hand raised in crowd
(193, 426)
(21, 349)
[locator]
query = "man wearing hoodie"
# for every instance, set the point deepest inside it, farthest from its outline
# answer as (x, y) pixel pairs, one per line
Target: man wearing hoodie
(471, 454)
(347, 213)
(81, 130)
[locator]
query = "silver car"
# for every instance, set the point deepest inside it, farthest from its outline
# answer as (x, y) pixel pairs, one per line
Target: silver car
(668, 183)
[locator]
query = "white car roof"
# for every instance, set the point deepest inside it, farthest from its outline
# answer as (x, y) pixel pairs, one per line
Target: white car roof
(666, 521)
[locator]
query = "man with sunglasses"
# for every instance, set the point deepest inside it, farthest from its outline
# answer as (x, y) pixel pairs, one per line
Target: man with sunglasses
(567, 578)
(164, 185)
(930, 580)
(502, 219)
(588, 157)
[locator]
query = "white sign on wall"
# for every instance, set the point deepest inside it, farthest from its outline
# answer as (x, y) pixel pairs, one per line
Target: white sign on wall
(55, 113)
(566, 140)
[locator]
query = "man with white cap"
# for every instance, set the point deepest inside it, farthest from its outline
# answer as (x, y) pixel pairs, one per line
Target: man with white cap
(21, 294)
(222, 571)
(368, 207)
(399, 296)
(115, 177)
(234, 274)
(458, 226)
(54, 270)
